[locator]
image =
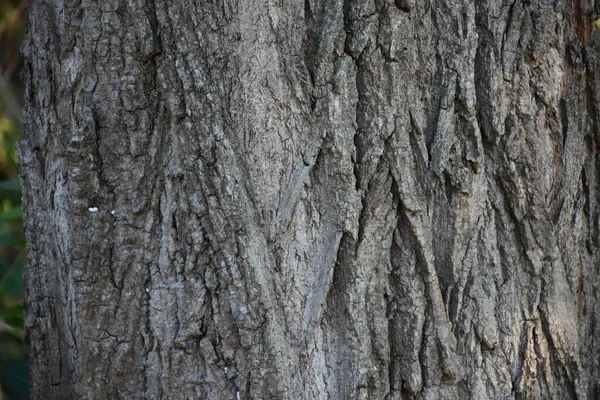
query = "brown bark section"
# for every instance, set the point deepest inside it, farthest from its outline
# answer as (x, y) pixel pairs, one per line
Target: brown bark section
(306, 200)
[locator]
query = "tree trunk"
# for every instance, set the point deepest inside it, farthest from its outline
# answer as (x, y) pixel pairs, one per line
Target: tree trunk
(310, 200)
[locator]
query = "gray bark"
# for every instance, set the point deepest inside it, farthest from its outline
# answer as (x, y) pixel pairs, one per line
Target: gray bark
(311, 199)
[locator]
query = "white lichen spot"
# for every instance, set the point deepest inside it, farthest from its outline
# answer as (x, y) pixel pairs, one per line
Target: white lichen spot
(113, 212)
(93, 209)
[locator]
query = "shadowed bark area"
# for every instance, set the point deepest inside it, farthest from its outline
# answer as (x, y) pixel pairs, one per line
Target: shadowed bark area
(310, 200)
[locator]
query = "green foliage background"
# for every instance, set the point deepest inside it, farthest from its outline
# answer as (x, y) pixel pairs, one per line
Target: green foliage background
(14, 370)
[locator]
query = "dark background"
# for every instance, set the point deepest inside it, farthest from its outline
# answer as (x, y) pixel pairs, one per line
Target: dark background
(14, 374)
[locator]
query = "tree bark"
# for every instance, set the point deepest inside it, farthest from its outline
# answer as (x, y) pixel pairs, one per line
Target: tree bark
(309, 200)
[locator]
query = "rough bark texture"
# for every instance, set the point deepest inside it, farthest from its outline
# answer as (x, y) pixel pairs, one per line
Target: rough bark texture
(272, 199)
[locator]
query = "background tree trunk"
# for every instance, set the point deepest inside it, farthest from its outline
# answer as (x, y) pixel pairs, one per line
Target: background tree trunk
(310, 200)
